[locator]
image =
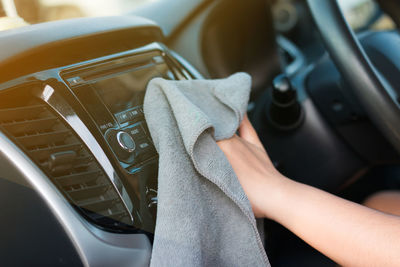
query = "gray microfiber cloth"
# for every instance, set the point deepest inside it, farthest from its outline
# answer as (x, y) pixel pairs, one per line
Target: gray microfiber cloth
(204, 217)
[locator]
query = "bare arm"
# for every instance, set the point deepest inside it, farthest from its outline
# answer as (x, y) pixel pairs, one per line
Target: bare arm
(346, 232)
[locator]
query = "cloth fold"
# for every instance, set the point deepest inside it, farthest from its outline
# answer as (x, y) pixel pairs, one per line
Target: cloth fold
(204, 217)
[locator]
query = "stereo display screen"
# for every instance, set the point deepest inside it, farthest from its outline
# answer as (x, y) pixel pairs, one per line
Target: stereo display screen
(125, 91)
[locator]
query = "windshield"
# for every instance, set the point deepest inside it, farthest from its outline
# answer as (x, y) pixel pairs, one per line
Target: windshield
(13, 13)
(358, 12)
(36, 11)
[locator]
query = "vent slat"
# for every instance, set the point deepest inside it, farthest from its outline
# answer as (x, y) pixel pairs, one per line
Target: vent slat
(44, 139)
(106, 219)
(78, 178)
(19, 128)
(89, 192)
(22, 113)
(118, 216)
(101, 205)
(98, 216)
(82, 162)
(44, 153)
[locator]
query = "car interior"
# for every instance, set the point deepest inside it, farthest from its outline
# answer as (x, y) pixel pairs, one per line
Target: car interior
(78, 180)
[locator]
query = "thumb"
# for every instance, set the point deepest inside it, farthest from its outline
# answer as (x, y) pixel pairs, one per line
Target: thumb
(248, 133)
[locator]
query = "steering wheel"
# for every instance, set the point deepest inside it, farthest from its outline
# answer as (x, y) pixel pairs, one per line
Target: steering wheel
(376, 95)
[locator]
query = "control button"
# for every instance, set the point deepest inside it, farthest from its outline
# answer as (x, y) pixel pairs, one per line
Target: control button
(123, 117)
(133, 113)
(145, 149)
(136, 132)
(141, 110)
(136, 113)
(144, 145)
(104, 127)
(122, 144)
(129, 115)
(126, 142)
(75, 81)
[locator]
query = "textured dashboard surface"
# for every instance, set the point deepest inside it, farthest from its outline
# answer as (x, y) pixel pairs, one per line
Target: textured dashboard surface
(42, 46)
(17, 41)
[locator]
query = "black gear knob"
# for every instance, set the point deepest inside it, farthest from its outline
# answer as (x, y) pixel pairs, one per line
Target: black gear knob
(282, 91)
(285, 111)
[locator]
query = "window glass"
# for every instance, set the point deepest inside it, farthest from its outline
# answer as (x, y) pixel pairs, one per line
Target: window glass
(35, 11)
(362, 14)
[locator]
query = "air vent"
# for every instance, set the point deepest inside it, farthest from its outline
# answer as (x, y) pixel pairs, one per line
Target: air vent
(53, 146)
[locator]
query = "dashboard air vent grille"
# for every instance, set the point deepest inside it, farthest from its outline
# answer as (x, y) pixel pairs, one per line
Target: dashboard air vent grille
(53, 146)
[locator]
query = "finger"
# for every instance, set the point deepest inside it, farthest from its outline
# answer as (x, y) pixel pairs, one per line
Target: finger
(226, 144)
(248, 133)
(229, 149)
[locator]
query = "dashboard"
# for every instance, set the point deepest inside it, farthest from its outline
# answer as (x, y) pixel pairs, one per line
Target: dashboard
(72, 131)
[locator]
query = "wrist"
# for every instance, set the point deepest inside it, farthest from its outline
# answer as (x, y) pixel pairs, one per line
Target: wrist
(276, 197)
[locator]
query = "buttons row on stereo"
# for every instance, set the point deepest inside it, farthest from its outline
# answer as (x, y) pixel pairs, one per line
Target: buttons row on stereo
(130, 115)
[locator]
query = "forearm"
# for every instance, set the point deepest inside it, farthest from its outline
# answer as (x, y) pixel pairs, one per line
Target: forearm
(346, 232)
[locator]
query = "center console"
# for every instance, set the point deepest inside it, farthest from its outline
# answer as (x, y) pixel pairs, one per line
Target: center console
(112, 92)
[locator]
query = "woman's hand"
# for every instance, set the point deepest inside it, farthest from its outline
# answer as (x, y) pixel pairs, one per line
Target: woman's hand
(348, 233)
(254, 169)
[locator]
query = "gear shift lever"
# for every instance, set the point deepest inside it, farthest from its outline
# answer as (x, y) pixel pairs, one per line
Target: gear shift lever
(285, 112)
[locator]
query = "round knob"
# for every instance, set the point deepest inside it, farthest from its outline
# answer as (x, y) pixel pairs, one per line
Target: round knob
(126, 142)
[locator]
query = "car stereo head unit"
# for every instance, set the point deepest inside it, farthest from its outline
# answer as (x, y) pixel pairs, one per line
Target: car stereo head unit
(113, 92)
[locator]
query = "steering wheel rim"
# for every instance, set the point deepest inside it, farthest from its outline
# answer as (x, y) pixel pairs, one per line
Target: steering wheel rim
(356, 68)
